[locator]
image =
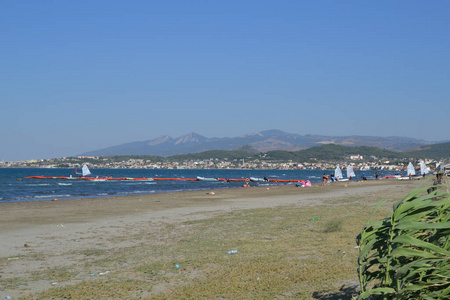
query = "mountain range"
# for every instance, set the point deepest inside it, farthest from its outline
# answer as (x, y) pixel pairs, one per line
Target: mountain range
(263, 141)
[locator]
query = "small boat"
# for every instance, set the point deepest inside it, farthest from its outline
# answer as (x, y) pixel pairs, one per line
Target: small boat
(424, 170)
(207, 178)
(338, 174)
(257, 179)
(350, 172)
(410, 170)
(85, 171)
(98, 179)
(76, 171)
(410, 173)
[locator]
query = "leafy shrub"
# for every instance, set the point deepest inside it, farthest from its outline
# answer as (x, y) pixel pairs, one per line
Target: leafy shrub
(406, 255)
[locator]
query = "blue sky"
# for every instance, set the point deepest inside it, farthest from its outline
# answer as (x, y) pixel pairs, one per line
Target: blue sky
(77, 76)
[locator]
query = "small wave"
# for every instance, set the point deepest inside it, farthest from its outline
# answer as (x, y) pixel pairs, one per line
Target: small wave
(64, 183)
(134, 192)
(141, 182)
(38, 184)
(51, 196)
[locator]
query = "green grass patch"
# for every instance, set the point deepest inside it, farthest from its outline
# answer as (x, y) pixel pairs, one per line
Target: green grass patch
(55, 274)
(12, 283)
(93, 252)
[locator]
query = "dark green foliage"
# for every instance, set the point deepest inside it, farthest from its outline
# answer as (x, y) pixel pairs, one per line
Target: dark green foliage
(327, 152)
(406, 256)
(219, 154)
(436, 151)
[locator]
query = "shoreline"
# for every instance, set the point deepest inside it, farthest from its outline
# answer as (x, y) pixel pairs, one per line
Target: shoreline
(20, 215)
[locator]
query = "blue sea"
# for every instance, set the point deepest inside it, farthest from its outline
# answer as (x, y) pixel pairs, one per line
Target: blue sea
(15, 188)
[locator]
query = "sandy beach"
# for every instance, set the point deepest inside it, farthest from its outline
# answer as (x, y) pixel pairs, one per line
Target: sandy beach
(41, 235)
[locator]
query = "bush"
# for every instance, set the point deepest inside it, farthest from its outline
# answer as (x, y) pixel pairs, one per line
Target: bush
(406, 255)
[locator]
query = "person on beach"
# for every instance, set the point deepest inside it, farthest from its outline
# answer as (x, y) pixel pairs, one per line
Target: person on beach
(376, 175)
(324, 179)
(247, 182)
(300, 184)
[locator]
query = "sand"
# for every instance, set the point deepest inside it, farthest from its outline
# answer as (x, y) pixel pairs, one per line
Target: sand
(52, 230)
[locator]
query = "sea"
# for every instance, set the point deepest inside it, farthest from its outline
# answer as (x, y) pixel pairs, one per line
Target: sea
(15, 188)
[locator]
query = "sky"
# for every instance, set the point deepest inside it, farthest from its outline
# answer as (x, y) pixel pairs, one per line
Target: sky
(77, 76)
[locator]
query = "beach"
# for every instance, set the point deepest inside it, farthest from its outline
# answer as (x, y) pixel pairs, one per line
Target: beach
(36, 236)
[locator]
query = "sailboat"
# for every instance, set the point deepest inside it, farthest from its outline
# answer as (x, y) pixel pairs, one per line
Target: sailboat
(338, 174)
(423, 168)
(350, 172)
(410, 170)
(85, 171)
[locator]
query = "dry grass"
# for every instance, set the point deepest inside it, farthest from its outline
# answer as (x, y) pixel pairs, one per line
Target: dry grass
(282, 254)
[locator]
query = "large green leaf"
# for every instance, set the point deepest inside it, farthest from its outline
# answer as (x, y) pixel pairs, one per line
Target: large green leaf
(421, 225)
(404, 239)
(406, 255)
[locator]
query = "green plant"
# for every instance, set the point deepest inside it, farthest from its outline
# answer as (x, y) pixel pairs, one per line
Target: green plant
(406, 255)
(333, 226)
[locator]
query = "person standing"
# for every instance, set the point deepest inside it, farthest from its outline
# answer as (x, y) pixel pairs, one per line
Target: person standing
(324, 179)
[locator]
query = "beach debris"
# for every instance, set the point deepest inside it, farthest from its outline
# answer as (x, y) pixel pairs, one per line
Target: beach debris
(13, 258)
(232, 251)
(93, 274)
(54, 283)
(125, 265)
(8, 297)
(177, 266)
(313, 219)
(211, 193)
(356, 247)
(56, 199)
(104, 273)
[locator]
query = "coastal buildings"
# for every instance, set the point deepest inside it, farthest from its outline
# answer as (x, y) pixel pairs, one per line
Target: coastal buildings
(211, 163)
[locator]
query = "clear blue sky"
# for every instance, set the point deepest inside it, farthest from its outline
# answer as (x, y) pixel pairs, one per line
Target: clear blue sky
(78, 75)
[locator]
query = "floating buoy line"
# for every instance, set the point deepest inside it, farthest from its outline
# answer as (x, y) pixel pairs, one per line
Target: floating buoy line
(161, 179)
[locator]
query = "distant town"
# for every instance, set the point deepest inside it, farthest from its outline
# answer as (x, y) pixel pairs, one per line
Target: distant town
(110, 162)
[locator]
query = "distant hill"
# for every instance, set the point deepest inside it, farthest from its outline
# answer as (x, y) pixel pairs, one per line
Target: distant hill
(328, 152)
(270, 140)
(436, 151)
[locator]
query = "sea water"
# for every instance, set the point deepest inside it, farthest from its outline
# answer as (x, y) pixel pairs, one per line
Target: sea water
(15, 188)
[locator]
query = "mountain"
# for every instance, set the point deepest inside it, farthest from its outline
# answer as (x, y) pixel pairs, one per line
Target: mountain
(263, 141)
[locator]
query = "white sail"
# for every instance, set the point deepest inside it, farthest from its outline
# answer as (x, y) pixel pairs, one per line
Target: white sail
(423, 168)
(410, 170)
(350, 172)
(338, 173)
(85, 171)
